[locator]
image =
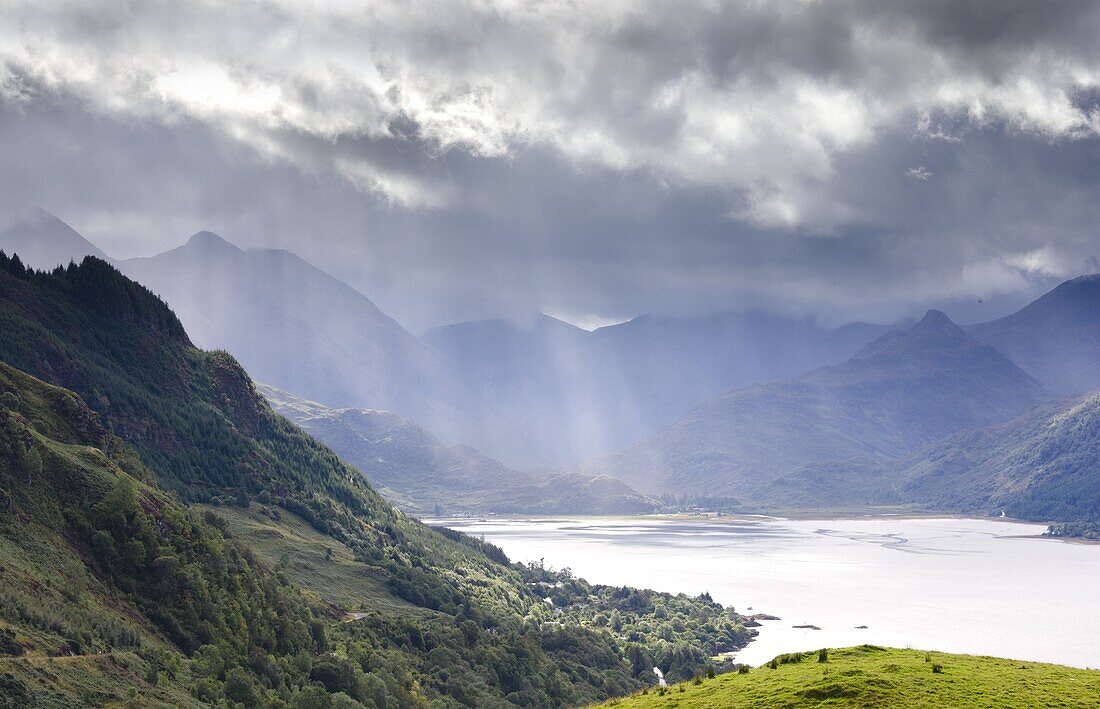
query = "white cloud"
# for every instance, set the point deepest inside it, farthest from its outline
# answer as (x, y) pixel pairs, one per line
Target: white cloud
(757, 100)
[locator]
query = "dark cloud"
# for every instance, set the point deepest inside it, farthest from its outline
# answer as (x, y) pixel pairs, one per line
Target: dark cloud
(845, 159)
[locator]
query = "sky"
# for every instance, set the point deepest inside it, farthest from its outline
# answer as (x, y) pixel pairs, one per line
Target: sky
(597, 160)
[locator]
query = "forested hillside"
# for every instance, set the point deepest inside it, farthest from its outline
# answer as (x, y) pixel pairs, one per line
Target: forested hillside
(1043, 466)
(109, 582)
(437, 617)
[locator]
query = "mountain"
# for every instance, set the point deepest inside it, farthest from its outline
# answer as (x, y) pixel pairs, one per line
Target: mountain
(43, 241)
(1055, 339)
(902, 391)
(1043, 465)
(300, 329)
(413, 469)
(583, 393)
(165, 537)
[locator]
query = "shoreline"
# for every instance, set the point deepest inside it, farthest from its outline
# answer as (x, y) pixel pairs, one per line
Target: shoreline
(823, 515)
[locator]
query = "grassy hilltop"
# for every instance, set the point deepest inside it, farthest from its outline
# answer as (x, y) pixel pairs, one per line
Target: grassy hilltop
(869, 676)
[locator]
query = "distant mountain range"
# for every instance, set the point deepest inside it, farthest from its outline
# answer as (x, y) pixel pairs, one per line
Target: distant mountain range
(749, 406)
(902, 391)
(589, 392)
(413, 469)
(295, 326)
(548, 395)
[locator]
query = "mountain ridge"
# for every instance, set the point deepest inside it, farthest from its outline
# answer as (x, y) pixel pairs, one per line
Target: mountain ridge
(596, 391)
(44, 241)
(296, 327)
(901, 391)
(1055, 338)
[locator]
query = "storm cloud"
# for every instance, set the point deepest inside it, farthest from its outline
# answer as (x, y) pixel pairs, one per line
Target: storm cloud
(844, 159)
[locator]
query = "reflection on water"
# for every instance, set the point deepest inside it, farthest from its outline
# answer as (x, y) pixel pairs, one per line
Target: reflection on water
(956, 585)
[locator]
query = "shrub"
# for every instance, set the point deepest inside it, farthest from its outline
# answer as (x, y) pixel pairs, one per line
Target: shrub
(8, 644)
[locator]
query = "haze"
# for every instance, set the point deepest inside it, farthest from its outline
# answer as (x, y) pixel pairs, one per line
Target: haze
(843, 161)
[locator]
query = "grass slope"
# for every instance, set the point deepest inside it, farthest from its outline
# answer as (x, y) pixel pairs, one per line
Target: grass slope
(311, 560)
(869, 676)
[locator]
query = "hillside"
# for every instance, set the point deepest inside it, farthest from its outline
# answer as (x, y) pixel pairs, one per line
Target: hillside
(585, 393)
(868, 676)
(83, 530)
(1043, 465)
(438, 616)
(417, 472)
(1055, 339)
(902, 391)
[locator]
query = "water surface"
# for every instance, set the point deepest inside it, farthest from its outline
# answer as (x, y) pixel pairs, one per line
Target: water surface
(956, 585)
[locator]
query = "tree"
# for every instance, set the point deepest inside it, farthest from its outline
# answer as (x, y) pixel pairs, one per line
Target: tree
(240, 688)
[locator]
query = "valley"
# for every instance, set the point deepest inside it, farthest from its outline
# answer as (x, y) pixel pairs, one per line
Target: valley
(486, 354)
(269, 504)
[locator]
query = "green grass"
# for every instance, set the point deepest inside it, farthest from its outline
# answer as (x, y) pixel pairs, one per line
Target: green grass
(115, 679)
(313, 561)
(869, 676)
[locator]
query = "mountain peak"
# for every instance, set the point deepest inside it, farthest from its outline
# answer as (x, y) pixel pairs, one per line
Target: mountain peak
(935, 331)
(38, 216)
(208, 240)
(43, 241)
(935, 319)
